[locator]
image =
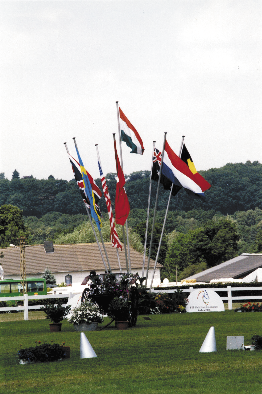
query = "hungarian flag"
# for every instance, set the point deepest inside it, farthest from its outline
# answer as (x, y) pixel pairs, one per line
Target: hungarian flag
(113, 233)
(179, 173)
(122, 207)
(129, 134)
(80, 183)
(157, 158)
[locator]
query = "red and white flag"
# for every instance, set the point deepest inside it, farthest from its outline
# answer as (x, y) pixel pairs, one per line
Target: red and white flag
(113, 233)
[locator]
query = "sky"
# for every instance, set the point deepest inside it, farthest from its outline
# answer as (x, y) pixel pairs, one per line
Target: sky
(181, 67)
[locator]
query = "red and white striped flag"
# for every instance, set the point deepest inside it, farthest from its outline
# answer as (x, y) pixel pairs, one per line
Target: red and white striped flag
(113, 233)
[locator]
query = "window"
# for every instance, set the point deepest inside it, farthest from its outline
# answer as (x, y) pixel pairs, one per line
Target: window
(34, 287)
(4, 288)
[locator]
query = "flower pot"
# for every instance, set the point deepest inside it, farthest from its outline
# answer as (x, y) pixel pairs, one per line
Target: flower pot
(86, 326)
(121, 325)
(55, 327)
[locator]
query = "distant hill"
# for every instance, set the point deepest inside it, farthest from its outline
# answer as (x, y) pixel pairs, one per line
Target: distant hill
(235, 187)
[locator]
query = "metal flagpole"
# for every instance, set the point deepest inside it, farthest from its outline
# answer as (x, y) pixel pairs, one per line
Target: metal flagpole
(160, 241)
(90, 220)
(148, 210)
(100, 232)
(118, 258)
(121, 158)
(153, 224)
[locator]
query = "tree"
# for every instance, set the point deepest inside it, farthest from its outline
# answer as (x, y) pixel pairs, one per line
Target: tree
(210, 245)
(11, 225)
(141, 229)
(15, 175)
(49, 277)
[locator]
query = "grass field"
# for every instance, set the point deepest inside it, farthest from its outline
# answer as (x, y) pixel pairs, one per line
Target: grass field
(160, 355)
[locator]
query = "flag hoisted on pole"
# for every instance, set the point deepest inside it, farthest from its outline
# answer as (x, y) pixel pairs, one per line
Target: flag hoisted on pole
(90, 195)
(198, 179)
(88, 190)
(179, 173)
(130, 135)
(154, 215)
(79, 182)
(113, 233)
(122, 207)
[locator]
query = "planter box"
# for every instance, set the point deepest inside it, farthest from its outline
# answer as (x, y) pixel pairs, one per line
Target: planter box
(86, 326)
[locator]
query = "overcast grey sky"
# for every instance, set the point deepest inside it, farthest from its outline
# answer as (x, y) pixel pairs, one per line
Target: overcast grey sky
(185, 67)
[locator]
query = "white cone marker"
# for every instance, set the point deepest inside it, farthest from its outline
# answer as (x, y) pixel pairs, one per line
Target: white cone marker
(86, 350)
(209, 344)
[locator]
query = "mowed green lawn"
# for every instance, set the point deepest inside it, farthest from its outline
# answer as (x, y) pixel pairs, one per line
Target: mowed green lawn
(160, 355)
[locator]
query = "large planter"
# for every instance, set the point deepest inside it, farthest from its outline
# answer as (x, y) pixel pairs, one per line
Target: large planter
(121, 325)
(55, 327)
(86, 326)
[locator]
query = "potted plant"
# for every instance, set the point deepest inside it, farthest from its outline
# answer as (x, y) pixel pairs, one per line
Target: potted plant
(119, 310)
(86, 316)
(56, 313)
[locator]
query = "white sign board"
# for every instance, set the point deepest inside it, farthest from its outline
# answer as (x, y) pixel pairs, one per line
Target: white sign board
(204, 300)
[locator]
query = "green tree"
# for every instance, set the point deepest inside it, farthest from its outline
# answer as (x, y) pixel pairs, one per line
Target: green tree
(215, 242)
(15, 175)
(11, 225)
(49, 277)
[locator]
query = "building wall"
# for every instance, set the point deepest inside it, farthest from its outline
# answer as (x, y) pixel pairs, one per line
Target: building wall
(78, 277)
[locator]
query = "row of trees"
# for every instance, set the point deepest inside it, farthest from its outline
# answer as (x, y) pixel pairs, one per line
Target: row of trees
(235, 187)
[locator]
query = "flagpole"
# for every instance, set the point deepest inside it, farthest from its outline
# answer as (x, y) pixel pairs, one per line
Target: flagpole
(123, 230)
(164, 223)
(121, 157)
(90, 220)
(148, 210)
(118, 258)
(154, 216)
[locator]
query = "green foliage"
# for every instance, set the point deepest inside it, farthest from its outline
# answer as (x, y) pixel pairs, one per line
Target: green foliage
(15, 175)
(11, 225)
(55, 312)
(49, 277)
(207, 246)
(42, 353)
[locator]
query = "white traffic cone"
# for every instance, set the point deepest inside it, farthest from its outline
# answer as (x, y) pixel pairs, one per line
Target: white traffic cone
(209, 344)
(86, 350)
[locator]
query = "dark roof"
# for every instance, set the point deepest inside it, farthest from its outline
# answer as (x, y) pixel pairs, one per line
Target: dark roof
(236, 268)
(68, 258)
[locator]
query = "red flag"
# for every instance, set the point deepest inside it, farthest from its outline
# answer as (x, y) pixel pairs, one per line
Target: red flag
(122, 207)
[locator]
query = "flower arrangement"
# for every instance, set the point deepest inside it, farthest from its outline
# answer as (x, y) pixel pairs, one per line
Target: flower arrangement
(250, 307)
(87, 312)
(119, 309)
(42, 353)
(55, 312)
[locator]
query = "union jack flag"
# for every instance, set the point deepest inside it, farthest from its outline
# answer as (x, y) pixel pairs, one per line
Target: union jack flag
(113, 233)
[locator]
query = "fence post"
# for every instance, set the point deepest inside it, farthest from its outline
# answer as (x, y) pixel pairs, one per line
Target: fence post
(229, 297)
(25, 306)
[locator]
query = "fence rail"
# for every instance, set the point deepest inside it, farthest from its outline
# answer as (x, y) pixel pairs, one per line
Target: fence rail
(228, 298)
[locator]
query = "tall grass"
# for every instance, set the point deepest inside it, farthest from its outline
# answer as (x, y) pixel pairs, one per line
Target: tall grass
(160, 355)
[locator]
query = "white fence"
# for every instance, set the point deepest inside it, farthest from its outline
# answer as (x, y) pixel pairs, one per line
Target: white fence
(26, 298)
(229, 290)
(228, 298)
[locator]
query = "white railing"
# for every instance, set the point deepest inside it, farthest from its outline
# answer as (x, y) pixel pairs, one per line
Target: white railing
(229, 289)
(26, 298)
(229, 298)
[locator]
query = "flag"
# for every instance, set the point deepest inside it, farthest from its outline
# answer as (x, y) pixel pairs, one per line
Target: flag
(80, 183)
(178, 172)
(113, 233)
(89, 192)
(157, 158)
(129, 134)
(185, 156)
(122, 206)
